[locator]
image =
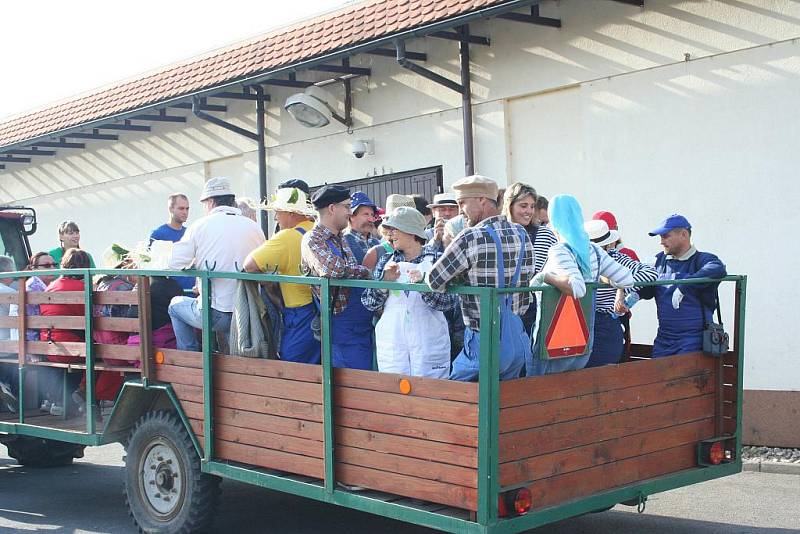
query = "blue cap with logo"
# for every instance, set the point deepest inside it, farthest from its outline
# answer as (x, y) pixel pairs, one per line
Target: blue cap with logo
(359, 199)
(670, 223)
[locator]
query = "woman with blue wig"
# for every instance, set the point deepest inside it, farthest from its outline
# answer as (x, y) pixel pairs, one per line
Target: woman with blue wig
(572, 262)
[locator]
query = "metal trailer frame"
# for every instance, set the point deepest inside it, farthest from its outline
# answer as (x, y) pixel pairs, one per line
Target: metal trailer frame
(487, 520)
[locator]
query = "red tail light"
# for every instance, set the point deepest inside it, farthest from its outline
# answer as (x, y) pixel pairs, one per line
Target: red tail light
(716, 454)
(515, 502)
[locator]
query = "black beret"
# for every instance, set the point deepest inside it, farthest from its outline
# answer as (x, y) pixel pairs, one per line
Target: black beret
(294, 182)
(329, 194)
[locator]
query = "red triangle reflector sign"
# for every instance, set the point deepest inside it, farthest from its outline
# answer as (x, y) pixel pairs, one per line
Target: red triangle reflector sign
(568, 334)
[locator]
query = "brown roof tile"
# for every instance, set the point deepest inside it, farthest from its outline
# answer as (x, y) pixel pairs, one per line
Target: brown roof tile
(305, 40)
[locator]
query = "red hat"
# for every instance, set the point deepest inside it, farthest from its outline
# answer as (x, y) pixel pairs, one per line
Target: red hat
(608, 217)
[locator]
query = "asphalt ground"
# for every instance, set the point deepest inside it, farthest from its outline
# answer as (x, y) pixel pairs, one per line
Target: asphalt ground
(87, 498)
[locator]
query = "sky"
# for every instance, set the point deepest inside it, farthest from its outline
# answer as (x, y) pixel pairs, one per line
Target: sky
(56, 49)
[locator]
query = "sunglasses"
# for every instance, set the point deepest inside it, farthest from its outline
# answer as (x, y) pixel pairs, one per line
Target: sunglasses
(46, 265)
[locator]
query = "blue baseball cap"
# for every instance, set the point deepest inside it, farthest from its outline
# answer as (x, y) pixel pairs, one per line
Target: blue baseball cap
(670, 223)
(359, 199)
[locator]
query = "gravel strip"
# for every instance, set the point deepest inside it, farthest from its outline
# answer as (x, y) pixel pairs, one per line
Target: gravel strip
(770, 454)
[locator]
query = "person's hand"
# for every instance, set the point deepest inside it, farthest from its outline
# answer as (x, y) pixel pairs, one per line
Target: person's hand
(538, 279)
(415, 276)
(391, 272)
(438, 230)
(196, 290)
(677, 297)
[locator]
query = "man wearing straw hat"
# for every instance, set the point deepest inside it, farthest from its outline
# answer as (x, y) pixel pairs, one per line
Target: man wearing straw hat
(490, 252)
(281, 255)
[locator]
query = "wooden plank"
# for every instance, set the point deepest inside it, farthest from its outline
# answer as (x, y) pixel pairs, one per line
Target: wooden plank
(116, 324)
(405, 426)
(253, 403)
(559, 489)
(78, 348)
(116, 297)
(275, 387)
(248, 366)
(597, 379)
(146, 352)
(10, 298)
(80, 366)
(406, 405)
(594, 454)
(56, 297)
(412, 447)
(407, 486)
(73, 322)
(22, 326)
(429, 470)
(431, 388)
(247, 454)
(542, 440)
(9, 346)
(256, 421)
(556, 411)
(269, 440)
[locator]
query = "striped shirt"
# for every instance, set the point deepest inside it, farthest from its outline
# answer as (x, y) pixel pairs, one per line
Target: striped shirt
(641, 272)
(471, 259)
(561, 261)
(545, 238)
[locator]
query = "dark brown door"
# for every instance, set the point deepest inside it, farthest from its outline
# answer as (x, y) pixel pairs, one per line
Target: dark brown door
(426, 182)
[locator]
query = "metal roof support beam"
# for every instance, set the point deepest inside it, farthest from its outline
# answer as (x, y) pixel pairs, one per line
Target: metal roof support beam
(161, 117)
(221, 123)
(125, 126)
(341, 69)
(533, 18)
(31, 152)
(413, 56)
(12, 159)
(455, 36)
(287, 83)
(241, 96)
(404, 61)
(63, 143)
(203, 107)
(94, 135)
(639, 3)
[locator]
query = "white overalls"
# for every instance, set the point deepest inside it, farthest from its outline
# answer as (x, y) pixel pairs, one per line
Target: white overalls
(411, 338)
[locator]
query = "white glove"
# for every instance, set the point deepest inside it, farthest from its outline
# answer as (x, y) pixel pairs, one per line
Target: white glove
(538, 279)
(677, 297)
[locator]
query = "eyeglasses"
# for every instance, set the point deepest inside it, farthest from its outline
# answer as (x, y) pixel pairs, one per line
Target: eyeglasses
(46, 265)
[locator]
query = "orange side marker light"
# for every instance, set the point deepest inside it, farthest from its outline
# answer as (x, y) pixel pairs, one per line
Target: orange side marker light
(159, 357)
(405, 386)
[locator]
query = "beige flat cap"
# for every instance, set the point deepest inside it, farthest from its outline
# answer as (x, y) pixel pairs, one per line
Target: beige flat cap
(475, 186)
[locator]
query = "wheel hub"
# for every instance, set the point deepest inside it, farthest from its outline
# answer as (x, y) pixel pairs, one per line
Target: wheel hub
(162, 479)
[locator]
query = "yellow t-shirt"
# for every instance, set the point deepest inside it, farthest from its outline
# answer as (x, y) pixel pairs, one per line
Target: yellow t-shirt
(283, 251)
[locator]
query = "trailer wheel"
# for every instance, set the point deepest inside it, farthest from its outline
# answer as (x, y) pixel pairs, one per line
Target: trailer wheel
(40, 452)
(165, 489)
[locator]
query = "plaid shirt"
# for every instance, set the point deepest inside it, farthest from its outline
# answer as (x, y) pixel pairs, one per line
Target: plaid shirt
(374, 299)
(319, 259)
(471, 259)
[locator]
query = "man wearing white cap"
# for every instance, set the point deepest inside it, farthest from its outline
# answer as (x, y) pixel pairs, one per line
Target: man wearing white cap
(444, 208)
(219, 241)
(491, 252)
(281, 254)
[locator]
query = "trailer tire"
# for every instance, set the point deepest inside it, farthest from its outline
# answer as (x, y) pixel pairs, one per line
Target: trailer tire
(165, 489)
(39, 452)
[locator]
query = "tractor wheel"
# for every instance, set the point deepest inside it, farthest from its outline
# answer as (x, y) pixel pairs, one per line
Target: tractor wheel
(40, 452)
(165, 489)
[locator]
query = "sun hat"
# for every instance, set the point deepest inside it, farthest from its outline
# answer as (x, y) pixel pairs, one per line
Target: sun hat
(475, 186)
(329, 194)
(359, 199)
(408, 220)
(395, 201)
(443, 199)
(670, 223)
(289, 199)
(599, 233)
(216, 187)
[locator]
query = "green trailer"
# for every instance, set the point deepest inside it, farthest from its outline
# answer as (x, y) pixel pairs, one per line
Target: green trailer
(489, 456)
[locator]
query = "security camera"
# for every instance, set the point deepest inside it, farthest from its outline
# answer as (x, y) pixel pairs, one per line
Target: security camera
(359, 148)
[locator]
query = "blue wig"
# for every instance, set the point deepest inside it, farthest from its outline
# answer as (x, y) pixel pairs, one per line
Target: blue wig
(566, 217)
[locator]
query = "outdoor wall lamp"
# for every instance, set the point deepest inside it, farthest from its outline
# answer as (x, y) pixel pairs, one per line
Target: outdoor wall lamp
(312, 108)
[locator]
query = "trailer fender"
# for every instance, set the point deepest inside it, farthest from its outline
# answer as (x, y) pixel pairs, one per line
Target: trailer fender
(136, 399)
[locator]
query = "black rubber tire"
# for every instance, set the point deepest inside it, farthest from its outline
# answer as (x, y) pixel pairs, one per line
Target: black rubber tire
(39, 452)
(197, 499)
